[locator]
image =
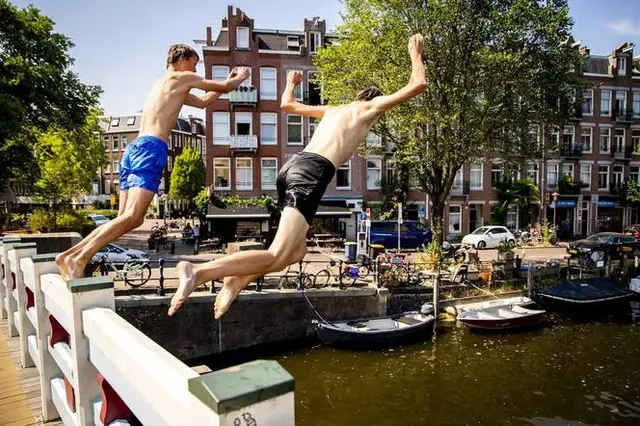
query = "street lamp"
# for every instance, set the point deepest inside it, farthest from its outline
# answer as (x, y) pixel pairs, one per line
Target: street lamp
(555, 206)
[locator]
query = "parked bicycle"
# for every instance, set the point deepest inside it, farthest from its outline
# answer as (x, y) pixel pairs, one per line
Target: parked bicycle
(295, 278)
(134, 272)
(336, 272)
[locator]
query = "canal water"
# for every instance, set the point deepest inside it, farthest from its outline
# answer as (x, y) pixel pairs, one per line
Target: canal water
(568, 372)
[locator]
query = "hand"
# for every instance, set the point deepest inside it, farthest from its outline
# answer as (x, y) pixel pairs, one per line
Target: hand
(294, 77)
(416, 44)
(240, 72)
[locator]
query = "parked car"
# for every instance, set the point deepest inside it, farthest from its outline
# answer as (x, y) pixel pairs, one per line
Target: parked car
(633, 230)
(98, 219)
(612, 244)
(489, 237)
(118, 255)
(413, 234)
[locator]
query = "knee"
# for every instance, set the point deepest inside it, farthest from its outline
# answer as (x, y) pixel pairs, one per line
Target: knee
(134, 220)
(284, 258)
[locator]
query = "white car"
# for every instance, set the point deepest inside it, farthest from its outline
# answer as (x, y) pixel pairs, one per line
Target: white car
(118, 255)
(488, 237)
(98, 219)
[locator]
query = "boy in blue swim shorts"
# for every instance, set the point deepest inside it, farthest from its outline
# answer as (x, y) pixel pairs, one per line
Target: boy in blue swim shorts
(146, 156)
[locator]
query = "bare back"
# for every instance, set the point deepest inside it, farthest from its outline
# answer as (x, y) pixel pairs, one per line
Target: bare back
(163, 105)
(342, 130)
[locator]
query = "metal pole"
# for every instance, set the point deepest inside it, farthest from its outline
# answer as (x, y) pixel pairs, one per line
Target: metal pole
(161, 280)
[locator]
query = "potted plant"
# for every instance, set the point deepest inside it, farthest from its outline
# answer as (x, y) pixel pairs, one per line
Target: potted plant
(505, 251)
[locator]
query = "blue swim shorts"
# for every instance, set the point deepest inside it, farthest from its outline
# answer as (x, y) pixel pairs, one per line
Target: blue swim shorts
(142, 164)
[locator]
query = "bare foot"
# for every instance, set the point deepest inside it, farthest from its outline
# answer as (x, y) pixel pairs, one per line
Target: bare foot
(187, 279)
(75, 268)
(62, 267)
(225, 298)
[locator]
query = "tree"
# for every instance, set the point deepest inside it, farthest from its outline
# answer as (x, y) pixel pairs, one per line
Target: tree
(522, 193)
(68, 161)
(631, 193)
(37, 89)
(188, 176)
(494, 68)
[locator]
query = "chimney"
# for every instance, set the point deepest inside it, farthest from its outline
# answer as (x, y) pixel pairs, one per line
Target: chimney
(209, 41)
(229, 11)
(584, 50)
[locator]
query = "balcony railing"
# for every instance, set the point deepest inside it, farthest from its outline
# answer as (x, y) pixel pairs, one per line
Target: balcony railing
(460, 188)
(622, 154)
(243, 142)
(571, 150)
(616, 188)
(244, 96)
(623, 116)
(570, 188)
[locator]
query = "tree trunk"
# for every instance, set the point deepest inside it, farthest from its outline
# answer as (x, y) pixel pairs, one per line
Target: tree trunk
(437, 221)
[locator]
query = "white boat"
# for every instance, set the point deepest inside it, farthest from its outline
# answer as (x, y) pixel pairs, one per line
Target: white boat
(499, 318)
(512, 301)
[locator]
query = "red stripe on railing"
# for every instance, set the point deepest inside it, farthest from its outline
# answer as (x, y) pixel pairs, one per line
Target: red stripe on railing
(30, 300)
(113, 407)
(13, 279)
(71, 394)
(58, 333)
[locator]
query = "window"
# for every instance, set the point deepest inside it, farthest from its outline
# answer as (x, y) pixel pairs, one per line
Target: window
(618, 172)
(268, 86)
(567, 136)
(390, 173)
(635, 140)
(268, 128)
(374, 173)
(107, 186)
(313, 123)
(496, 174)
(106, 142)
(533, 172)
(552, 175)
(313, 82)
(221, 128)
(221, 173)
(220, 73)
(131, 121)
(618, 139)
(567, 170)
(116, 165)
(169, 163)
(621, 102)
(605, 102)
(269, 171)
(343, 176)
(455, 219)
(587, 104)
(242, 40)
(622, 66)
(605, 140)
(297, 91)
(244, 174)
(585, 175)
(585, 139)
(115, 122)
(603, 178)
(476, 176)
(115, 143)
(636, 104)
(294, 129)
(634, 173)
(512, 217)
(243, 123)
(124, 142)
(315, 41)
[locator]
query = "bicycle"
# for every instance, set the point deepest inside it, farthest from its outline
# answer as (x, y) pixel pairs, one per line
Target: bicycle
(349, 274)
(134, 272)
(299, 278)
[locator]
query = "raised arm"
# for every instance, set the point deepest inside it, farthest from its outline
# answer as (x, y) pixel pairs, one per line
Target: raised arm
(417, 83)
(235, 78)
(290, 105)
(201, 101)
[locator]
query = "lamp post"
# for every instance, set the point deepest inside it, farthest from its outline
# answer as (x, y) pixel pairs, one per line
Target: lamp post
(555, 206)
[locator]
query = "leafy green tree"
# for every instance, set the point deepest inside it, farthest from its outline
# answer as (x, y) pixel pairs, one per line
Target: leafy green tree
(37, 88)
(68, 161)
(522, 193)
(632, 193)
(493, 67)
(188, 176)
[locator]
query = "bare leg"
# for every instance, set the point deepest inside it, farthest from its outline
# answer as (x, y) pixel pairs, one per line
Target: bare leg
(232, 286)
(288, 247)
(60, 258)
(138, 200)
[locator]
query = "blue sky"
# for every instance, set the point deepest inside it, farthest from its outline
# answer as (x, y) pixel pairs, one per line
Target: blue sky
(121, 45)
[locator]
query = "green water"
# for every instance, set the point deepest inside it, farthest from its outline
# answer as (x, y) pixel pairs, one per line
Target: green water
(567, 372)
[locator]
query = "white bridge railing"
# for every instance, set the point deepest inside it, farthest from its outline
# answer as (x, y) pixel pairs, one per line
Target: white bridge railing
(96, 368)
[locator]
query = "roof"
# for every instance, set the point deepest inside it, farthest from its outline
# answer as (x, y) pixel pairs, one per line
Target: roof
(596, 65)
(131, 123)
(271, 39)
(236, 212)
(223, 39)
(334, 211)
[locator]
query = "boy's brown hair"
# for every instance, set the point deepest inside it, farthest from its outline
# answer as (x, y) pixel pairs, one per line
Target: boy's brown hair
(178, 51)
(368, 94)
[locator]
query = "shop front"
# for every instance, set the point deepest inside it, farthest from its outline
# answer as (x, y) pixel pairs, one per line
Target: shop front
(562, 213)
(609, 218)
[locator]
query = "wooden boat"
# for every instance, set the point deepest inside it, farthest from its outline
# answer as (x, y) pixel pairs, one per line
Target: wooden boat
(378, 332)
(509, 302)
(500, 318)
(585, 292)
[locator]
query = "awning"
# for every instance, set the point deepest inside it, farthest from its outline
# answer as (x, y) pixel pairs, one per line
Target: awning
(334, 211)
(230, 212)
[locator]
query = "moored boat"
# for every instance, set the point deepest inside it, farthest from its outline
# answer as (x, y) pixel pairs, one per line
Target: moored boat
(500, 318)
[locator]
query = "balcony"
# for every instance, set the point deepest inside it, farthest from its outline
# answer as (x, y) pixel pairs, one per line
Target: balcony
(243, 142)
(571, 150)
(460, 188)
(570, 187)
(616, 188)
(624, 154)
(244, 96)
(623, 116)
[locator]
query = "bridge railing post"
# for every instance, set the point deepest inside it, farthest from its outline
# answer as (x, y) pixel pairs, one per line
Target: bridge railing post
(5, 245)
(19, 295)
(7, 285)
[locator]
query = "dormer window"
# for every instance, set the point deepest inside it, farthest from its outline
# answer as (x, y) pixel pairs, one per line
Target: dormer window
(293, 41)
(131, 121)
(622, 66)
(242, 37)
(115, 122)
(315, 41)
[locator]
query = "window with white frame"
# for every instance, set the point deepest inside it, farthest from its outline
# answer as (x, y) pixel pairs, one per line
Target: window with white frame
(455, 219)
(476, 176)
(220, 73)
(124, 142)
(587, 102)
(242, 37)
(622, 66)
(243, 123)
(533, 173)
(634, 173)
(496, 174)
(221, 128)
(585, 139)
(568, 136)
(552, 175)
(374, 173)
(268, 173)
(390, 173)
(115, 122)
(244, 174)
(636, 104)
(116, 165)
(107, 186)
(313, 123)
(616, 177)
(268, 128)
(585, 175)
(635, 140)
(315, 41)
(603, 178)
(294, 129)
(618, 140)
(534, 134)
(268, 84)
(621, 102)
(343, 176)
(605, 140)
(106, 143)
(512, 216)
(221, 173)
(605, 103)
(297, 91)
(555, 138)
(567, 170)
(314, 89)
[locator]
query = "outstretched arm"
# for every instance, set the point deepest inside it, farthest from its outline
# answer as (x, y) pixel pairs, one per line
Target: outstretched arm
(417, 83)
(235, 78)
(290, 105)
(201, 101)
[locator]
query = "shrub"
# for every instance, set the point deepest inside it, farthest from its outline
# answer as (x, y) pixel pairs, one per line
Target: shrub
(73, 221)
(41, 221)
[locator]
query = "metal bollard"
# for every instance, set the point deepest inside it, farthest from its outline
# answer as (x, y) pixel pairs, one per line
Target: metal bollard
(341, 287)
(103, 266)
(300, 281)
(161, 280)
(259, 283)
(377, 274)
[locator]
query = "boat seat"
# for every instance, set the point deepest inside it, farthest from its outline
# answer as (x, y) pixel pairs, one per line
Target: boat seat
(505, 313)
(381, 324)
(484, 315)
(408, 320)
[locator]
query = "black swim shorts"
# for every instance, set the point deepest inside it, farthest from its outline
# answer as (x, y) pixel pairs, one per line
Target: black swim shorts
(302, 181)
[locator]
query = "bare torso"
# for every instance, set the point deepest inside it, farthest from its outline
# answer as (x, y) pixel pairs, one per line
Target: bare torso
(341, 130)
(163, 105)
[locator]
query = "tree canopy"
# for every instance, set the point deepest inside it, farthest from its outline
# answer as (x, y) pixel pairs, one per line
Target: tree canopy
(188, 176)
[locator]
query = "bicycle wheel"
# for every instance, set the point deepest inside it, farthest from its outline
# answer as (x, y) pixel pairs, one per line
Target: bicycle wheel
(286, 283)
(306, 279)
(321, 279)
(136, 273)
(363, 272)
(97, 271)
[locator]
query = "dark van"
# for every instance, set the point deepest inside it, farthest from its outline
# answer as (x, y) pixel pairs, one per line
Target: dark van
(413, 234)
